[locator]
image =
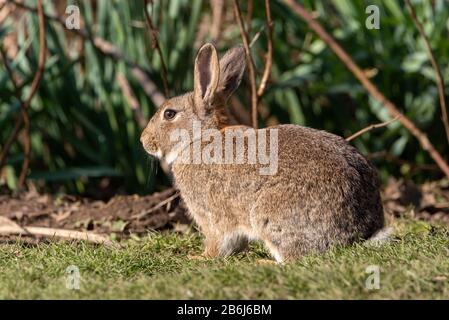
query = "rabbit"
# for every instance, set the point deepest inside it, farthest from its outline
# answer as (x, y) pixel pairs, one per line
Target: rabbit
(324, 192)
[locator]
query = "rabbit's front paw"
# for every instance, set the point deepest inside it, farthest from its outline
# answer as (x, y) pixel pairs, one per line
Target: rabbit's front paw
(210, 251)
(197, 257)
(268, 262)
(211, 247)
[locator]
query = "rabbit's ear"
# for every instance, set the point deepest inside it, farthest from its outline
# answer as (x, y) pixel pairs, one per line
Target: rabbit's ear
(207, 74)
(232, 66)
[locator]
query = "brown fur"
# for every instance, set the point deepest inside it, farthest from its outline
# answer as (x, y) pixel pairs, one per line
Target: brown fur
(324, 193)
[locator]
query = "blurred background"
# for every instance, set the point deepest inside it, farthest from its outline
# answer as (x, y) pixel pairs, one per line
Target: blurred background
(88, 112)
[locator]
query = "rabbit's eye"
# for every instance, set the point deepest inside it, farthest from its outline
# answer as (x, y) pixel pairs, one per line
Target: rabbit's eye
(169, 114)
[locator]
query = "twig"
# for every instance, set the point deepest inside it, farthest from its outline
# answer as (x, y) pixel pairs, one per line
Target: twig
(251, 68)
(10, 73)
(269, 54)
(12, 137)
(131, 99)
(256, 93)
(69, 234)
(369, 86)
(159, 205)
(23, 118)
(34, 86)
(256, 36)
(156, 45)
(371, 127)
(108, 49)
(8, 227)
(217, 18)
(249, 15)
(439, 78)
(444, 205)
(148, 87)
(414, 167)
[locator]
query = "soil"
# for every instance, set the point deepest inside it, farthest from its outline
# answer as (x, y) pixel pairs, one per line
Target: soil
(123, 216)
(428, 202)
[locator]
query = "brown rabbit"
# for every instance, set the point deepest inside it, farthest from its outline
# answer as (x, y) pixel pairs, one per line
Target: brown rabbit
(323, 192)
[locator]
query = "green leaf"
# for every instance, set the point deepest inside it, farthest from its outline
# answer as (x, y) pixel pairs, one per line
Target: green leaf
(414, 61)
(74, 173)
(399, 145)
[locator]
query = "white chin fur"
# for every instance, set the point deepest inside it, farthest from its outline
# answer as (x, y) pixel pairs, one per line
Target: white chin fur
(157, 154)
(171, 157)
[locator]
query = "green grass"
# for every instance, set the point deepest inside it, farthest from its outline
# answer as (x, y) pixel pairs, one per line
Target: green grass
(414, 265)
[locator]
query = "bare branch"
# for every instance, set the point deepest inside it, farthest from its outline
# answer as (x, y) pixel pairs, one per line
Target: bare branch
(10, 73)
(17, 92)
(159, 205)
(249, 15)
(371, 127)
(12, 137)
(369, 86)
(439, 78)
(24, 105)
(251, 68)
(34, 86)
(217, 18)
(269, 54)
(148, 86)
(156, 45)
(131, 99)
(414, 167)
(9, 227)
(256, 36)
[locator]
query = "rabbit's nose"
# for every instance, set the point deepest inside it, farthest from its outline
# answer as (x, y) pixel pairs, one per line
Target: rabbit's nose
(143, 137)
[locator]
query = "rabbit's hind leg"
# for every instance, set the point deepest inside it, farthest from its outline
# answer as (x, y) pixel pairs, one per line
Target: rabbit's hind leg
(283, 254)
(274, 251)
(233, 242)
(290, 246)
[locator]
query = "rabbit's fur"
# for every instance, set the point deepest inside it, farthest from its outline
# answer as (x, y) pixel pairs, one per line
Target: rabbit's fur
(323, 194)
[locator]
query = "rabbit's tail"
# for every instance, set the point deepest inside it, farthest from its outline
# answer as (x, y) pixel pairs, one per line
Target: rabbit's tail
(381, 237)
